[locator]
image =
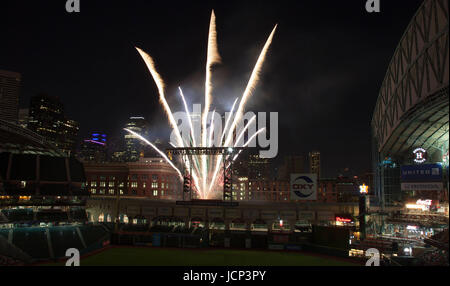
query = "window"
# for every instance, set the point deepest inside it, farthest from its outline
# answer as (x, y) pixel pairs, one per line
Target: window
(111, 184)
(134, 184)
(162, 185)
(93, 184)
(155, 178)
(167, 185)
(162, 193)
(134, 177)
(111, 191)
(121, 191)
(93, 191)
(112, 178)
(102, 191)
(144, 184)
(154, 185)
(102, 184)
(155, 193)
(121, 184)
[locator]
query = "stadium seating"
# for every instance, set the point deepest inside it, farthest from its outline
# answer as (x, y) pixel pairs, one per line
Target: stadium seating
(92, 233)
(62, 238)
(32, 241)
(18, 215)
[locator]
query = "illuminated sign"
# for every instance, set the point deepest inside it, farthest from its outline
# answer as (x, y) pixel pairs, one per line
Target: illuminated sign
(421, 173)
(342, 219)
(416, 207)
(363, 189)
(424, 202)
(96, 142)
(303, 186)
(420, 155)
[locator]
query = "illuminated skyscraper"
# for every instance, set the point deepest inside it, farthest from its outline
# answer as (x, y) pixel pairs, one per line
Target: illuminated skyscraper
(47, 118)
(135, 148)
(94, 148)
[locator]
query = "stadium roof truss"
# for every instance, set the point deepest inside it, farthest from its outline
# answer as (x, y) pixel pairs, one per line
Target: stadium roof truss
(412, 106)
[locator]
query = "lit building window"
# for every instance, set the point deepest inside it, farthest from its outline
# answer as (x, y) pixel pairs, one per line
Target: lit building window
(102, 191)
(102, 184)
(162, 193)
(111, 192)
(93, 191)
(162, 185)
(111, 184)
(93, 184)
(121, 191)
(134, 184)
(155, 193)
(154, 185)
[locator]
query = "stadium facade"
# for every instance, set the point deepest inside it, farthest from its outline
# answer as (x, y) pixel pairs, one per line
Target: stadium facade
(410, 120)
(42, 200)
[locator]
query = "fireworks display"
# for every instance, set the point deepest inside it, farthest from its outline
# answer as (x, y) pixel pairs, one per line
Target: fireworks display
(205, 168)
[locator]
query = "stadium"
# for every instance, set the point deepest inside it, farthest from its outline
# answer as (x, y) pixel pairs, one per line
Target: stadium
(411, 131)
(42, 200)
(49, 201)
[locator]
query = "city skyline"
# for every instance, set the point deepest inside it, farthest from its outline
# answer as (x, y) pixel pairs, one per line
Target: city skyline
(348, 98)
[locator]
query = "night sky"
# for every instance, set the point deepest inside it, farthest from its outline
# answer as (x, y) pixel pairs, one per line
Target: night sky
(322, 73)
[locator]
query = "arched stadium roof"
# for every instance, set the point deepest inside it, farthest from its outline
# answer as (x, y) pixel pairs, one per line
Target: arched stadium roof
(412, 107)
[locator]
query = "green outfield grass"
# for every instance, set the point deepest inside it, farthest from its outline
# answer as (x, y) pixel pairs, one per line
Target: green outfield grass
(142, 256)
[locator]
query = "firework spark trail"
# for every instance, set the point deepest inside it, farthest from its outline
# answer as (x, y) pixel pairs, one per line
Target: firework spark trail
(244, 129)
(227, 122)
(156, 149)
(194, 144)
(248, 142)
(250, 85)
(219, 160)
(245, 145)
(213, 57)
(248, 91)
(217, 168)
(200, 162)
(211, 129)
(160, 84)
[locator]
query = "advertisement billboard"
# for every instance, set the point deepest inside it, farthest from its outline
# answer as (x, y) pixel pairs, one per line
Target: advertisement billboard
(421, 173)
(303, 187)
(422, 186)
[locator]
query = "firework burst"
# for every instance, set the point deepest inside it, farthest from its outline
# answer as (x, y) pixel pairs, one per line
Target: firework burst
(204, 168)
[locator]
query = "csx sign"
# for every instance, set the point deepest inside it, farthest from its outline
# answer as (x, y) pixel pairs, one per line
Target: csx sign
(303, 186)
